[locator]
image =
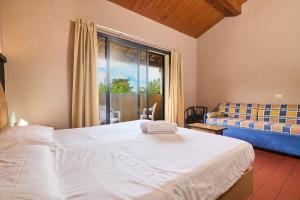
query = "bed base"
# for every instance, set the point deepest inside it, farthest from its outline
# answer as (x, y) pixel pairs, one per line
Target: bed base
(242, 189)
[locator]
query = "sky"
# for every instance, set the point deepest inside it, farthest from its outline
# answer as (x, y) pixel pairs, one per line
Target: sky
(121, 70)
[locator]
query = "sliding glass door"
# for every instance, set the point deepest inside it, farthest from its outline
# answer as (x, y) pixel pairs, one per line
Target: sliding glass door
(130, 80)
(123, 80)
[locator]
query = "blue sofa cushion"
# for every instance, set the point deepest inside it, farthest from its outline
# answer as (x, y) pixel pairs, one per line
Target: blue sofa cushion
(285, 143)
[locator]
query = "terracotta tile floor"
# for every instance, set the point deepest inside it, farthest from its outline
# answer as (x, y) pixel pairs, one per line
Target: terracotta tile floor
(275, 177)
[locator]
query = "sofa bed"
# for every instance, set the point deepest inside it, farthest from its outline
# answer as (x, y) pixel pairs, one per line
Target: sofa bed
(274, 127)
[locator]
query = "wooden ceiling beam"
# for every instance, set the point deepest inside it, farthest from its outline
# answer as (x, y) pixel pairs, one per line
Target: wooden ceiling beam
(192, 17)
(227, 7)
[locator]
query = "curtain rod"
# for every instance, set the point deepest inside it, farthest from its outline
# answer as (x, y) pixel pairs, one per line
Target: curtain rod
(132, 38)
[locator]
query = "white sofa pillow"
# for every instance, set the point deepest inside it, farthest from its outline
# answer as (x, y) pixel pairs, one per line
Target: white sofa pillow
(32, 134)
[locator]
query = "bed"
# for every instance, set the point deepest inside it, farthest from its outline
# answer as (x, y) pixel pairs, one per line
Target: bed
(118, 161)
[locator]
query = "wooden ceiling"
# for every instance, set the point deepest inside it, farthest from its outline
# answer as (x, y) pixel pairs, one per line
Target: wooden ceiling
(192, 17)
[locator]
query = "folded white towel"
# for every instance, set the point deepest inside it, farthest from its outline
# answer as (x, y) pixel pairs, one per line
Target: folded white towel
(158, 127)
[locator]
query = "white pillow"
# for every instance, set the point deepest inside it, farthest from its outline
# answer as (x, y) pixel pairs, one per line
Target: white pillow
(32, 134)
(28, 172)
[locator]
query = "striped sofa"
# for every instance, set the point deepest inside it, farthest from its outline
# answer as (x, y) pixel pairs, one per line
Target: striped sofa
(278, 121)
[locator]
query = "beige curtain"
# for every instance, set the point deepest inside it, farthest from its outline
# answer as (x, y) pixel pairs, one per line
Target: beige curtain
(174, 104)
(85, 97)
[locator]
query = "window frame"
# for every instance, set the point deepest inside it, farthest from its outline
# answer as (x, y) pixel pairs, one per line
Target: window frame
(139, 47)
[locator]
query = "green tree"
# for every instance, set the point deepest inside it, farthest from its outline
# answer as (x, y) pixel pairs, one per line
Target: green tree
(102, 88)
(154, 86)
(121, 86)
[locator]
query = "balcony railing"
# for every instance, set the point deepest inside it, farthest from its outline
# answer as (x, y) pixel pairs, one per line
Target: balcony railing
(127, 105)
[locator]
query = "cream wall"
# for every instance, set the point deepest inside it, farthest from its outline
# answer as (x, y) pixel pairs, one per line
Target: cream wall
(252, 57)
(38, 45)
(1, 25)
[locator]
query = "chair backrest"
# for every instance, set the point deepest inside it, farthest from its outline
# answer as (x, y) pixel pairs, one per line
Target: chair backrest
(194, 114)
(239, 110)
(154, 106)
(153, 111)
(279, 113)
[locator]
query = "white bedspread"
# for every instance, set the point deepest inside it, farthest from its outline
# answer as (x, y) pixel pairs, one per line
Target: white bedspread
(26, 172)
(120, 162)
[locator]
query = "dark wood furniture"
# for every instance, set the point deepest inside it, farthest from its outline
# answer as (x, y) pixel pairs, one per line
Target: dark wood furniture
(195, 114)
(207, 128)
(2, 74)
(3, 106)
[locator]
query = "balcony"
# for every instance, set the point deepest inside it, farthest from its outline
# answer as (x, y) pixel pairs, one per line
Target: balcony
(127, 106)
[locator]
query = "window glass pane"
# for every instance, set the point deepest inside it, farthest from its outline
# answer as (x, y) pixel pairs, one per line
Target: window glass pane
(155, 84)
(102, 80)
(123, 82)
(143, 84)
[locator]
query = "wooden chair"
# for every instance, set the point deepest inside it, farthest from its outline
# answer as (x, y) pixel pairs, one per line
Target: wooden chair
(195, 114)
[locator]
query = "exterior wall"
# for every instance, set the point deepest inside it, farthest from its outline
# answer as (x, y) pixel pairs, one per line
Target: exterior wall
(38, 43)
(252, 58)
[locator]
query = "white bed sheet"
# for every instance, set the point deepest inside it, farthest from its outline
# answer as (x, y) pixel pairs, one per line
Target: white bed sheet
(118, 161)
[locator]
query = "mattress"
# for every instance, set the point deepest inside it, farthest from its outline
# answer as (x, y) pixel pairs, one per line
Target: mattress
(119, 161)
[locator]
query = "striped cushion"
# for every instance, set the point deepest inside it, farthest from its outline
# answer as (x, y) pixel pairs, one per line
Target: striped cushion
(239, 110)
(224, 121)
(258, 125)
(216, 121)
(295, 129)
(279, 113)
(277, 127)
